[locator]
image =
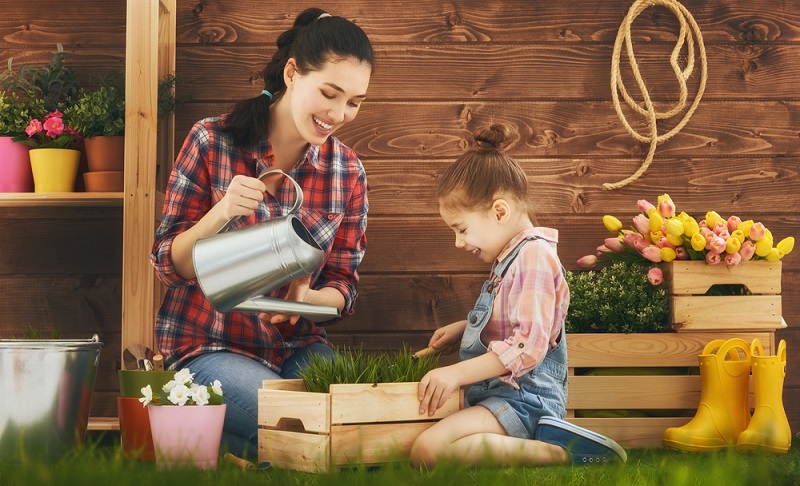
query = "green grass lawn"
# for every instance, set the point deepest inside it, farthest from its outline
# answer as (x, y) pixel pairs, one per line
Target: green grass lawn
(101, 462)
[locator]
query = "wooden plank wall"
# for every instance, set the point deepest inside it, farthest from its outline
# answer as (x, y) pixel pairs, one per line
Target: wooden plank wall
(443, 69)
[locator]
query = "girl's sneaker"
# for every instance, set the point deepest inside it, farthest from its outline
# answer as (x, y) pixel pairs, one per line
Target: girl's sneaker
(584, 446)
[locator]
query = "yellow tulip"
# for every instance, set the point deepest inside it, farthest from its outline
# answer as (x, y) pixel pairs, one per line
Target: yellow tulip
(655, 220)
(712, 218)
(744, 227)
(698, 242)
(739, 236)
(786, 245)
(767, 233)
(763, 247)
(683, 216)
(732, 245)
(611, 223)
(675, 240)
(655, 236)
(690, 227)
(668, 254)
(774, 255)
(674, 227)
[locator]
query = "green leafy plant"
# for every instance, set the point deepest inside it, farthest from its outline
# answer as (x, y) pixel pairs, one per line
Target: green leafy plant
(17, 111)
(616, 299)
(54, 82)
(100, 112)
(352, 365)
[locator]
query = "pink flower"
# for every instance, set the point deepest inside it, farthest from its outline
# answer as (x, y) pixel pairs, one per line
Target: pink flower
(589, 261)
(644, 206)
(615, 245)
(53, 126)
(602, 249)
(634, 240)
(732, 259)
(666, 207)
(663, 242)
(681, 253)
(652, 253)
(641, 223)
(719, 227)
(717, 244)
(655, 276)
(713, 258)
(733, 223)
(34, 127)
(757, 231)
(53, 114)
(747, 250)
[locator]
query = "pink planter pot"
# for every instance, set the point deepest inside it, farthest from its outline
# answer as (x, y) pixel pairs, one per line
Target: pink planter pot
(15, 167)
(186, 436)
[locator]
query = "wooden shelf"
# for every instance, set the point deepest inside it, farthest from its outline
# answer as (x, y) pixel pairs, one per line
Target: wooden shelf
(47, 199)
(103, 423)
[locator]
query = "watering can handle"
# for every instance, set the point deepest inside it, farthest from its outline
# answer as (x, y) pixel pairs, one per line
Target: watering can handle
(297, 202)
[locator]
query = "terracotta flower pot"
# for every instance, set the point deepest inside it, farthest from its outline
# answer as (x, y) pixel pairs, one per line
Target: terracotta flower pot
(105, 153)
(134, 429)
(15, 167)
(186, 436)
(104, 181)
(54, 169)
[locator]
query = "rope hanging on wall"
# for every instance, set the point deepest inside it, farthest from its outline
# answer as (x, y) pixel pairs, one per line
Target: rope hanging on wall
(688, 32)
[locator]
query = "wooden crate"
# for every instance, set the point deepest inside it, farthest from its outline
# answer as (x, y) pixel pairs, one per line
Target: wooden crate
(692, 311)
(673, 399)
(353, 424)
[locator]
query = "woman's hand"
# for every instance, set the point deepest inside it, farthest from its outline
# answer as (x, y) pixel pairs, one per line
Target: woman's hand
(298, 290)
(447, 339)
(242, 197)
(436, 387)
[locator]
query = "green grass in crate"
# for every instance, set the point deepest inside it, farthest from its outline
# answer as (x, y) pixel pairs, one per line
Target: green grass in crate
(351, 365)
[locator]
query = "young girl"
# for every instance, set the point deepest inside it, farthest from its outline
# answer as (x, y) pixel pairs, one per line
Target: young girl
(513, 344)
(314, 84)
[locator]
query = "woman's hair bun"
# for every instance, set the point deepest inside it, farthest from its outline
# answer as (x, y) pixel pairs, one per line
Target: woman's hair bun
(493, 137)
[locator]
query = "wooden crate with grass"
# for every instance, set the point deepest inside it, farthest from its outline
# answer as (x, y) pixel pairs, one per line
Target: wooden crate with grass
(631, 387)
(353, 424)
(693, 310)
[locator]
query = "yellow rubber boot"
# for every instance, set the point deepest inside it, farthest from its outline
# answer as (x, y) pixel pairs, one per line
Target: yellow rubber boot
(723, 412)
(769, 429)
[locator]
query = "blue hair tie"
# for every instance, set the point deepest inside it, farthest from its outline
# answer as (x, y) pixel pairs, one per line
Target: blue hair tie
(265, 92)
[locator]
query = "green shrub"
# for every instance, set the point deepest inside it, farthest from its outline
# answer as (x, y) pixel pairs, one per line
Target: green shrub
(616, 299)
(17, 111)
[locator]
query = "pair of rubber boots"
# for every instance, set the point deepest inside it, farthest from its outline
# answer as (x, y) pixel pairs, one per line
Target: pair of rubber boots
(723, 418)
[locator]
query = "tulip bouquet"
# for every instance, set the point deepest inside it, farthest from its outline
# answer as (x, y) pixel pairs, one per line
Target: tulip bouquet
(660, 234)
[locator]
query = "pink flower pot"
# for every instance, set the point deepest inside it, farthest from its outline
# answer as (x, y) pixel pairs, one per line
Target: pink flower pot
(15, 167)
(186, 436)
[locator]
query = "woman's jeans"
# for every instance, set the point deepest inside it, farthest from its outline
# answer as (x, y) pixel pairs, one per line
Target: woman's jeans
(241, 378)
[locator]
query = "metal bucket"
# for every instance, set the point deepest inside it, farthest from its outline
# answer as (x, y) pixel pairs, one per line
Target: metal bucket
(233, 266)
(46, 388)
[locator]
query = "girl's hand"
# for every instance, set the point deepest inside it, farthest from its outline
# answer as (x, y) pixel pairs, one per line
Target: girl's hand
(435, 387)
(242, 196)
(298, 290)
(447, 339)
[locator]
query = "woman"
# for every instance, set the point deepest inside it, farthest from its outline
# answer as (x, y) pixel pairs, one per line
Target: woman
(314, 84)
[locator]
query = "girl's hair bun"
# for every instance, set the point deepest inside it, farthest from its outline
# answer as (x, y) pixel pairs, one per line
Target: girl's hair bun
(492, 138)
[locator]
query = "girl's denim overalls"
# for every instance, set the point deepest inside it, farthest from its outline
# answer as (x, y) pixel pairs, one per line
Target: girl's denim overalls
(542, 391)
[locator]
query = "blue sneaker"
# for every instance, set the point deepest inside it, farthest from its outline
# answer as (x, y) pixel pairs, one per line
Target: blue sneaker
(584, 446)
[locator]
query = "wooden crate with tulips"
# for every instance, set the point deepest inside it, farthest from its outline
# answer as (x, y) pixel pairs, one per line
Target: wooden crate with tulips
(353, 424)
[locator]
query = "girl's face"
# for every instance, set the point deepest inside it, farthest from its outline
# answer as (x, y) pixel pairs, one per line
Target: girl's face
(324, 100)
(484, 233)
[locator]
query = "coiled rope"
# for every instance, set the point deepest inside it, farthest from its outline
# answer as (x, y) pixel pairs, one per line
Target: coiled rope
(689, 31)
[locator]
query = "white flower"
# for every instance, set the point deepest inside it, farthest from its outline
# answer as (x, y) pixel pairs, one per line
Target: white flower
(216, 387)
(169, 386)
(199, 394)
(148, 395)
(183, 377)
(179, 395)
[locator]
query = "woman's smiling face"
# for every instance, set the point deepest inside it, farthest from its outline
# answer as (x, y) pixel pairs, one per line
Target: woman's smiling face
(324, 100)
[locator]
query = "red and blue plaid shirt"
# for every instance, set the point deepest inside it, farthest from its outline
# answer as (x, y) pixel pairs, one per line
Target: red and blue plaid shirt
(334, 210)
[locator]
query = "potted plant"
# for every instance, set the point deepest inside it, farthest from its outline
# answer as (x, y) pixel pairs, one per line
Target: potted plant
(15, 114)
(99, 115)
(186, 421)
(54, 153)
(54, 83)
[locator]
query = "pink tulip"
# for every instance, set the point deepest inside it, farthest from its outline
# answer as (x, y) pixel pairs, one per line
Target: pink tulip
(702, 223)
(719, 227)
(713, 258)
(757, 231)
(655, 276)
(663, 242)
(732, 259)
(641, 223)
(733, 223)
(667, 208)
(588, 261)
(652, 253)
(644, 206)
(602, 249)
(615, 245)
(681, 253)
(634, 240)
(747, 250)
(717, 244)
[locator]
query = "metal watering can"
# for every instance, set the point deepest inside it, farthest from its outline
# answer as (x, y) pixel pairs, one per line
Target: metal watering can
(236, 268)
